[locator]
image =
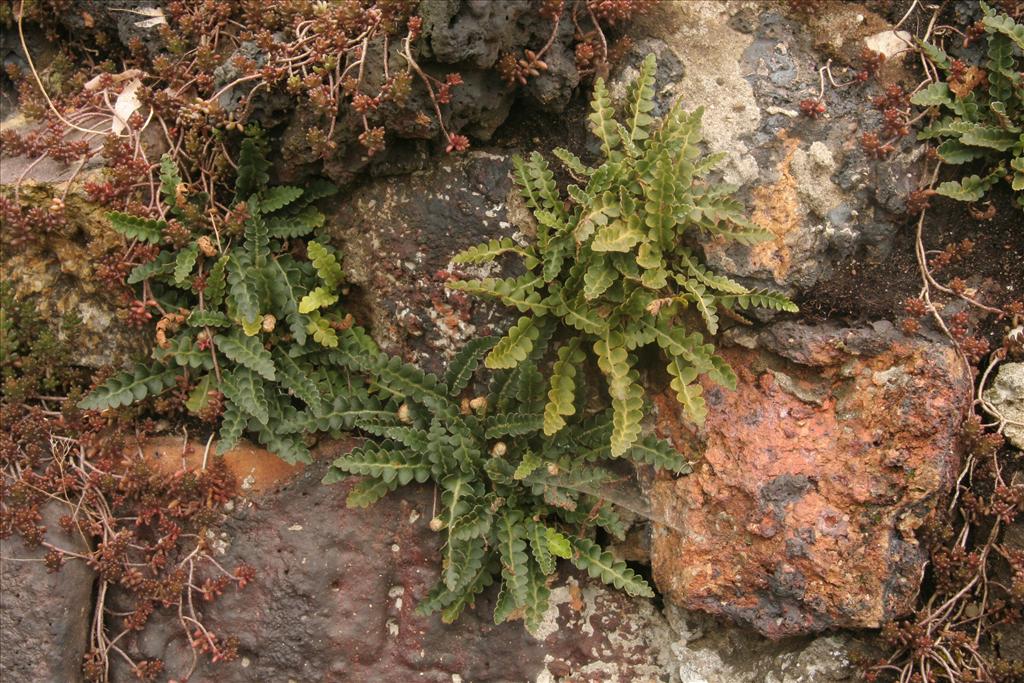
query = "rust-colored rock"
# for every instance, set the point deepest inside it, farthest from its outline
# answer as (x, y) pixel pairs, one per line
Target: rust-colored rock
(256, 469)
(816, 473)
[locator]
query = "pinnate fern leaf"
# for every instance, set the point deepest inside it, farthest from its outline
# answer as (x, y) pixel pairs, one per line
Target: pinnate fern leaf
(125, 388)
(247, 351)
(137, 228)
(515, 346)
(601, 564)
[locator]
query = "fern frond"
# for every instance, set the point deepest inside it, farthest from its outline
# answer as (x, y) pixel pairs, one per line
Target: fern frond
(512, 424)
(515, 568)
(252, 168)
(641, 100)
(688, 390)
(520, 291)
(464, 364)
(486, 252)
(244, 290)
(232, 424)
(326, 264)
(601, 564)
(184, 263)
(562, 394)
(410, 382)
(125, 388)
(137, 228)
(627, 413)
(366, 492)
(514, 347)
(602, 119)
(245, 389)
(295, 225)
(296, 379)
(760, 298)
(247, 351)
(276, 198)
(385, 464)
(659, 453)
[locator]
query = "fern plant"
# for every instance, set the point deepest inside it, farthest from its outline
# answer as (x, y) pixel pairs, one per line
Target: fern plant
(250, 328)
(512, 499)
(612, 262)
(980, 111)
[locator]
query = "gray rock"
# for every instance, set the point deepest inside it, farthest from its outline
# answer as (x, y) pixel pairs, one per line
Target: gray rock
(805, 180)
(44, 617)
(1006, 394)
(399, 268)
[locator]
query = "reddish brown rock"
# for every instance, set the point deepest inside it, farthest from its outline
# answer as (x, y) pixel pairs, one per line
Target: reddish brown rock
(816, 473)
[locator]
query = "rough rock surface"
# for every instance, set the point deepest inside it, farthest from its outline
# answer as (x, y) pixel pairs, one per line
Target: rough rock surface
(749, 65)
(1006, 394)
(419, 222)
(815, 474)
(58, 273)
(336, 591)
(44, 617)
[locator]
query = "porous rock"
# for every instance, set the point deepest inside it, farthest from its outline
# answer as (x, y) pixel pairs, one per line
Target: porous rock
(44, 616)
(1006, 395)
(335, 598)
(400, 267)
(815, 474)
(806, 180)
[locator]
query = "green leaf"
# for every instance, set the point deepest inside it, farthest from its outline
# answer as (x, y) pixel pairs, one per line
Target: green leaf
(169, 181)
(326, 264)
(515, 569)
(572, 162)
(408, 381)
(322, 331)
(932, 96)
(125, 388)
(562, 394)
(252, 168)
(514, 347)
(276, 198)
(601, 564)
(366, 492)
(969, 189)
(198, 318)
(618, 236)
(137, 228)
(602, 120)
(320, 297)
(388, 465)
(199, 397)
(232, 424)
(247, 351)
(688, 391)
(558, 544)
(244, 290)
(185, 262)
(245, 389)
(660, 453)
(297, 380)
(641, 100)
(464, 364)
(512, 424)
(295, 225)
(162, 265)
(990, 137)
(216, 282)
(488, 251)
